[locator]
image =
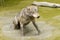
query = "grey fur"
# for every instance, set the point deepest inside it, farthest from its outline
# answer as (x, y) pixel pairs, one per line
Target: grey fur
(26, 16)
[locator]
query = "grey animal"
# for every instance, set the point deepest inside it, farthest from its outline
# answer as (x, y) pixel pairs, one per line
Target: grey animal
(25, 16)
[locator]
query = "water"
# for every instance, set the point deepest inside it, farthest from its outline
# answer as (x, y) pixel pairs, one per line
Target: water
(30, 31)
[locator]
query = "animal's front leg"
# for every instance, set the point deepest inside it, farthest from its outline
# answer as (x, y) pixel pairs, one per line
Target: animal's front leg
(22, 30)
(36, 26)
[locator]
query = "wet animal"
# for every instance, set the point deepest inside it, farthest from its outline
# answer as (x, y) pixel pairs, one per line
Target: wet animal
(25, 16)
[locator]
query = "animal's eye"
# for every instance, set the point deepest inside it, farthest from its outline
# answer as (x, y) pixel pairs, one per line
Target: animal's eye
(36, 10)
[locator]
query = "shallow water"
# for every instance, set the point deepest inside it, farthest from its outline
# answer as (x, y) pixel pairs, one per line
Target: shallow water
(30, 31)
(47, 30)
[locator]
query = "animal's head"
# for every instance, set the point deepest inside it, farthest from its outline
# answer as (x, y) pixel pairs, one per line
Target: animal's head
(33, 11)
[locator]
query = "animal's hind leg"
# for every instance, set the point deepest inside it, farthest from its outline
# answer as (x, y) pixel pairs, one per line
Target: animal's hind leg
(17, 26)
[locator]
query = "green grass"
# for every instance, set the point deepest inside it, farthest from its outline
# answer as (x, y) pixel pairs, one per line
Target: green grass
(11, 8)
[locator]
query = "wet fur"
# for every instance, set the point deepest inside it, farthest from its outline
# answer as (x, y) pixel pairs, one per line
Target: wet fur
(24, 18)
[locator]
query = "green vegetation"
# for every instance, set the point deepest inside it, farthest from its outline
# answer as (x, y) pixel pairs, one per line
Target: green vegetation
(9, 8)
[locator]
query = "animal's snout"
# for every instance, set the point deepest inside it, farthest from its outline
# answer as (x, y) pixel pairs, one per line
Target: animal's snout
(38, 17)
